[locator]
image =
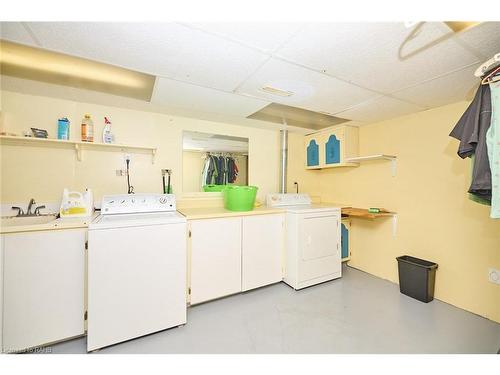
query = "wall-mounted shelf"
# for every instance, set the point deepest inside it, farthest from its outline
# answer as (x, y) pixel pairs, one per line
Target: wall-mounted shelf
(78, 146)
(363, 213)
(391, 158)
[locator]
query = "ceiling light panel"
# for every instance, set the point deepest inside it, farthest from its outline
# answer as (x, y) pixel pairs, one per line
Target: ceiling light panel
(275, 91)
(293, 116)
(459, 26)
(21, 61)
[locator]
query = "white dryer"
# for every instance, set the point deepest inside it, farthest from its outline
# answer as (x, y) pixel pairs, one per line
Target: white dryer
(313, 251)
(136, 268)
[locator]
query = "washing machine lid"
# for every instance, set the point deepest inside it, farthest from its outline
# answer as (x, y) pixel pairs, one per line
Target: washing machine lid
(311, 208)
(136, 220)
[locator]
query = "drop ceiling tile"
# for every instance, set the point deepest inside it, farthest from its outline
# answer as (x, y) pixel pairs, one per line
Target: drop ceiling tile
(381, 108)
(15, 32)
(170, 93)
(484, 38)
(454, 87)
(377, 55)
(312, 90)
(164, 49)
(266, 36)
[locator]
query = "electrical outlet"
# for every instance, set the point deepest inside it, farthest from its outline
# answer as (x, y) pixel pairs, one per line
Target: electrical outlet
(494, 276)
(121, 172)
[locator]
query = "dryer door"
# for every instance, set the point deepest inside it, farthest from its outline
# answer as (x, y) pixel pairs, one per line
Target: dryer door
(319, 245)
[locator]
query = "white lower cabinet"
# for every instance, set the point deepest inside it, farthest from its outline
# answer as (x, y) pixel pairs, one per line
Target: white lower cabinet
(230, 255)
(262, 250)
(43, 287)
(215, 258)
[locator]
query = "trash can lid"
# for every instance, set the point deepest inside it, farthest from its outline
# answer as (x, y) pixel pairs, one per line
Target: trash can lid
(417, 262)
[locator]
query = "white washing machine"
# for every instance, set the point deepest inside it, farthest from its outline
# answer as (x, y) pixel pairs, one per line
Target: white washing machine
(136, 268)
(313, 251)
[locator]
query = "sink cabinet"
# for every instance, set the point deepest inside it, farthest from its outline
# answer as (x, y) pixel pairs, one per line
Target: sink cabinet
(43, 287)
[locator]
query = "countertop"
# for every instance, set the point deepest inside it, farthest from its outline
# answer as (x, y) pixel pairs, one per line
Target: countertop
(56, 224)
(217, 212)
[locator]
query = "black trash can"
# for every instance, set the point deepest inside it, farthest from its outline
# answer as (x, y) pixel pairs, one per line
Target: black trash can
(417, 277)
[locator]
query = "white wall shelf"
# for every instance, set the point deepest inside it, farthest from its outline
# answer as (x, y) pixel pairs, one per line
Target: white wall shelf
(78, 146)
(391, 158)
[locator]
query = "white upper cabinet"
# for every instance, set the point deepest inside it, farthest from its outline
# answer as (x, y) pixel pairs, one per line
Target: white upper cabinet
(331, 148)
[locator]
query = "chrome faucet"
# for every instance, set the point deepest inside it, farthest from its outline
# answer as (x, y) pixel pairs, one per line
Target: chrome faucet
(20, 211)
(30, 204)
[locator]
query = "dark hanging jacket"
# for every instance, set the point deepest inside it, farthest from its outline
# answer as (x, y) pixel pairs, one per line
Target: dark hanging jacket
(471, 132)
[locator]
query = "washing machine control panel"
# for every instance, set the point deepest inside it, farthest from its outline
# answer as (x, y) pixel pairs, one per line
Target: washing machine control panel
(287, 199)
(137, 203)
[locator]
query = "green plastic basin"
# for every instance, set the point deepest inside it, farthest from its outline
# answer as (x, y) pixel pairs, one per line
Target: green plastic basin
(239, 198)
(213, 188)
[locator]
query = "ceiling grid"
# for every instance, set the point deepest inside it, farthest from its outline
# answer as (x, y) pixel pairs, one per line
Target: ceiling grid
(360, 71)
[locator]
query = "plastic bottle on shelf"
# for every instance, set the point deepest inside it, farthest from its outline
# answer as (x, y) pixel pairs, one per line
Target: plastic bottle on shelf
(63, 128)
(87, 129)
(107, 136)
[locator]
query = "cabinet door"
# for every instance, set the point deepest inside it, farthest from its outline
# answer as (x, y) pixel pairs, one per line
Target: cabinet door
(262, 250)
(43, 287)
(345, 228)
(332, 149)
(215, 258)
(312, 152)
(333, 146)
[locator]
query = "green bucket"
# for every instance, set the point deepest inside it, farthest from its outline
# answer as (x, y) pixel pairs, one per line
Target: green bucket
(239, 198)
(213, 188)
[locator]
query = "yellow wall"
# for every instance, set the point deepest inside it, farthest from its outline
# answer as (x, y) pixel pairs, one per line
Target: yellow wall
(436, 220)
(43, 172)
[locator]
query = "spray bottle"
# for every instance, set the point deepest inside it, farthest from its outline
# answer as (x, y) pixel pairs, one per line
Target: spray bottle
(107, 136)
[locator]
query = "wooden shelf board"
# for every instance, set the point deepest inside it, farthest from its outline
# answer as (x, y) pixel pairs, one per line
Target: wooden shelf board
(364, 214)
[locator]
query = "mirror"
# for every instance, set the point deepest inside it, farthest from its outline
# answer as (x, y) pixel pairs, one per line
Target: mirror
(211, 161)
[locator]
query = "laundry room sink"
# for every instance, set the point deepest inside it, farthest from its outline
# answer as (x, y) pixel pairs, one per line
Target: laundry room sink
(14, 221)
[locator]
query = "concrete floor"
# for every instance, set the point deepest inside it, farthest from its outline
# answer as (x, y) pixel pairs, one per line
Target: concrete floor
(359, 313)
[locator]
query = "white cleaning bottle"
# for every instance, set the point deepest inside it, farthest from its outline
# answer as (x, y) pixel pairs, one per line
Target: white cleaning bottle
(107, 136)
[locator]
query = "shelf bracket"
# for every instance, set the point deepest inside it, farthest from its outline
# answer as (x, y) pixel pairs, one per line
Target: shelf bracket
(78, 151)
(394, 225)
(393, 167)
(153, 155)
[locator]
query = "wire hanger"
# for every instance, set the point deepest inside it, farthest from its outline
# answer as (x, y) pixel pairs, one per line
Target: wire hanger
(494, 76)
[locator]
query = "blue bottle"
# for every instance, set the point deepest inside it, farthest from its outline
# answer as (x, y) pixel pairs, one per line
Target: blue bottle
(63, 128)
